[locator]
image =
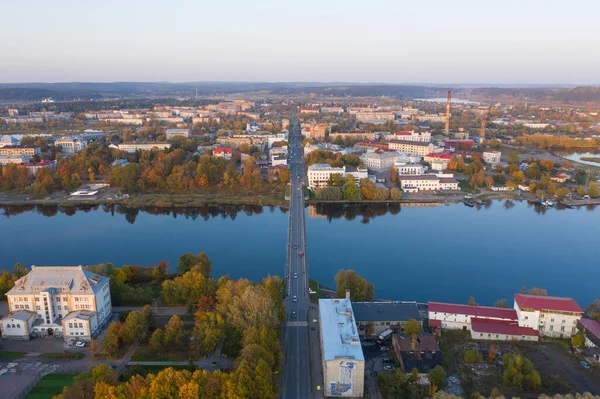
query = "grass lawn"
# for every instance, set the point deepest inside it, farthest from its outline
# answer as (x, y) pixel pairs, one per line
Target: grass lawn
(131, 370)
(11, 355)
(50, 385)
(465, 186)
(314, 286)
(144, 353)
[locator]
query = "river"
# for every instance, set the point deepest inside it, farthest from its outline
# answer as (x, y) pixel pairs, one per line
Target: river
(440, 253)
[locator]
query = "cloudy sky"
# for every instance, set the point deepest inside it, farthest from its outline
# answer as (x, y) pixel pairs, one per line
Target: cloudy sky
(460, 41)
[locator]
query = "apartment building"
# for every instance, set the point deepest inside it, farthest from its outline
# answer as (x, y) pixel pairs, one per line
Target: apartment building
(438, 160)
(309, 110)
(58, 301)
(133, 147)
(7, 140)
(491, 157)
(552, 316)
(171, 133)
(17, 159)
(411, 135)
(223, 152)
(378, 117)
(428, 182)
(34, 167)
(341, 353)
(319, 174)
(380, 160)
(332, 110)
(411, 147)
(19, 150)
(409, 168)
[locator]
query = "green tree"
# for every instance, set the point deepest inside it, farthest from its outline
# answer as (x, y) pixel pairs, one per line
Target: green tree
(157, 341)
(561, 193)
(200, 262)
(19, 271)
(335, 180)
(437, 377)
(351, 191)
(501, 303)
(578, 340)
(519, 373)
(472, 302)
(329, 194)
(593, 190)
(580, 191)
(473, 356)
(535, 291)
(513, 158)
(360, 289)
(412, 328)
(174, 332)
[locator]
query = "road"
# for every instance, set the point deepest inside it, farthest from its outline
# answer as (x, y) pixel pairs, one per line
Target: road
(296, 377)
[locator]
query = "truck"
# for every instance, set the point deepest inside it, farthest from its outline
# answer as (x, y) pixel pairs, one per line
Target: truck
(384, 336)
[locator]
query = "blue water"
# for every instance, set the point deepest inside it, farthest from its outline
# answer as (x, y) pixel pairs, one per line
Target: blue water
(445, 253)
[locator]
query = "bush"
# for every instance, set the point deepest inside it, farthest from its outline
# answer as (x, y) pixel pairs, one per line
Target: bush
(473, 356)
(519, 373)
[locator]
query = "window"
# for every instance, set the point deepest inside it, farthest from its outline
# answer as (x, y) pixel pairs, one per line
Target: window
(37, 299)
(562, 328)
(80, 325)
(76, 299)
(8, 326)
(70, 325)
(64, 299)
(526, 317)
(551, 327)
(27, 307)
(58, 307)
(37, 307)
(57, 299)
(551, 320)
(18, 325)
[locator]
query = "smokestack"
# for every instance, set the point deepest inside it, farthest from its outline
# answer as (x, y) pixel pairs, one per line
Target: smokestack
(448, 112)
(347, 294)
(482, 131)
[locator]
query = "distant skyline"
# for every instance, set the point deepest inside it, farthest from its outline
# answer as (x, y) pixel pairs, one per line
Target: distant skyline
(514, 42)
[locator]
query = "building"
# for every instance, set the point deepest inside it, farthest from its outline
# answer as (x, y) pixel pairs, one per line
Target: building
(371, 146)
(19, 150)
(380, 316)
(309, 110)
(380, 160)
(332, 110)
(409, 168)
(315, 130)
(62, 301)
(500, 187)
(591, 330)
(551, 316)
(178, 133)
(459, 143)
(341, 353)
(500, 330)
(133, 147)
(411, 147)
(377, 118)
(424, 137)
(71, 145)
(492, 157)
(7, 140)
(422, 353)
(125, 121)
(428, 182)
(223, 152)
(536, 125)
(560, 178)
(319, 174)
(33, 167)
(18, 159)
(278, 159)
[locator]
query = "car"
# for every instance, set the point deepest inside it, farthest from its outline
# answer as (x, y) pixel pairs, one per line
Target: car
(295, 246)
(300, 254)
(383, 348)
(295, 299)
(298, 188)
(387, 360)
(80, 344)
(294, 314)
(295, 275)
(585, 365)
(586, 197)
(388, 367)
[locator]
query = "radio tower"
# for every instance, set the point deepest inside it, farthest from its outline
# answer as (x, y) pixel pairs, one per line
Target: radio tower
(448, 113)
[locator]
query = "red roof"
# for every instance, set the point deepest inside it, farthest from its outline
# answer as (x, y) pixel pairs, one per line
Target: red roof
(477, 311)
(435, 323)
(539, 303)
(41, 163)
(222, 151)
(592, 326)
(404, 133)
(501, 327)
(440, 155)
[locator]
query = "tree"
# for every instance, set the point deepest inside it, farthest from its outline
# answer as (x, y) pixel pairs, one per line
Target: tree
(360, 289)
(329, 194)
(188, 289)
(472, 302)
(473, 356)
(157, 340)
(437, 377)
(513, 158)
(395, 194)
(593, 190)
(535, 291)
(519, 373)
(351, 191)
(495, 394)
(492, 353)
(412, 328)
(208, 331)
(138, 324)
(335, 180)
(561, 193)
(593, 310)
(501, 303)
(367, 189)
(19, 271)
(189, 261)
(578, 340)
(580, 191)
(393, 174)
(174, 332)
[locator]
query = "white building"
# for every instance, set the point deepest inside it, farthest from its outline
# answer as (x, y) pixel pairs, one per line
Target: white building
(409, 168)
(58, 300)
(133, 147)
(278, 159)
(492, 157)
(18, 159)
(319, 174)
(7, 140)
(71, 145)
(223, 152)
(178, 133)
(551, 316)
(424, 137)
(536, 125)
(341, 353)
(380, 161)
(428, 182)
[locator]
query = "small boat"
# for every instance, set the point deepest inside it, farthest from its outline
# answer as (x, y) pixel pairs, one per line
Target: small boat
(469, 204)
(546, 203)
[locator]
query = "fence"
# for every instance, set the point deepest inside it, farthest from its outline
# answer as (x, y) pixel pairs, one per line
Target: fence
(43, 369)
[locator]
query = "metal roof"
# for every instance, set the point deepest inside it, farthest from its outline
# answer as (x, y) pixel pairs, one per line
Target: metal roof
(386, 311)
(338, 328)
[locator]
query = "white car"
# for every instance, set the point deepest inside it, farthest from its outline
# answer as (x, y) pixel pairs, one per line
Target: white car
(295, 275)
(80, 344)
(388, 367)
(295, 299)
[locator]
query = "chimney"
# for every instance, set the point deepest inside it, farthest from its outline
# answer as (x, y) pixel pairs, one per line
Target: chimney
(347, 294)
(448, 113)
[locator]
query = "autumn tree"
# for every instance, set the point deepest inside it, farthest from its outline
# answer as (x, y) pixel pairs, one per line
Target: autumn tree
(472, 302)
(393, 174)
(360, 289)
(199, 262)
(351, 191)
(412, 328)
(501, 303)
(593, 190)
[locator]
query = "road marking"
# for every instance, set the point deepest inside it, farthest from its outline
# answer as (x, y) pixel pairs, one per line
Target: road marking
(297, 324)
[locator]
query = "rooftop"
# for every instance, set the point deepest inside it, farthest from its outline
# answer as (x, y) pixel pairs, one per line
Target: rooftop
(386, 311)
(80, 314)
(425, 343)
(23, 315)
(477, 311)
(71, 279)
(338, 328)
(539, 303)
(323, 166)
(419, 177)
(592, 326)
(501, 327)
(417, 143)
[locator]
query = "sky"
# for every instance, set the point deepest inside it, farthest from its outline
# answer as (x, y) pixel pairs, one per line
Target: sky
(388, 41)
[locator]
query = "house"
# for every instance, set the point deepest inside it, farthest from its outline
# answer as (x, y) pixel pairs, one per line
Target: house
(410, 168)
(438, 160)
(422, 353)
(278, 159)
(171, 133)
(499, 187)
(380, 160)
(341, 353)
(33, 167)
(55, 297)
(427, 182)
(223, 152)
(552, 316)
(523, 187)
(591, 330)
(560, 178)
(132, 147)
(71, 144)
(411, 147)
(501, 330)
(380, 316)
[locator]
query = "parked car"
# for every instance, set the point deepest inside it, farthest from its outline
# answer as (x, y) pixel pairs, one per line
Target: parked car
(383, 348)
(387, 360)
(80, 344)
(295, 246)
(585, 365)
(388, 367)
(586, 197)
